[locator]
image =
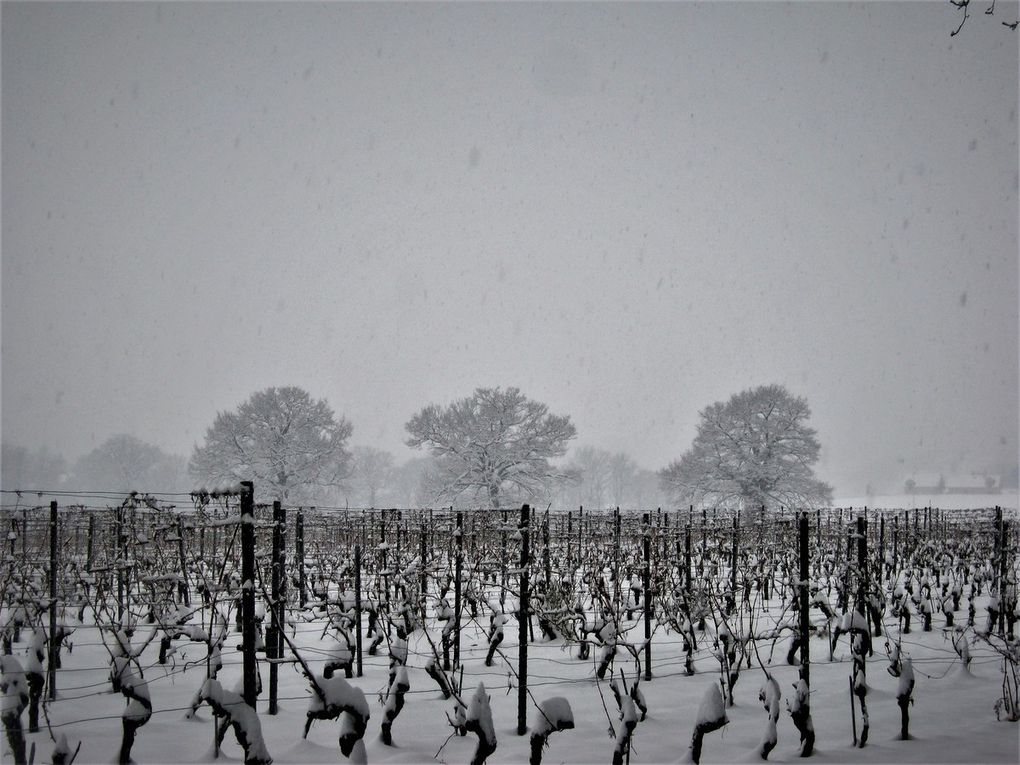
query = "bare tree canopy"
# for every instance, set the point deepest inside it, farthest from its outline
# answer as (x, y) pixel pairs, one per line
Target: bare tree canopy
(125, 463)
(286, 442)
(601, 478)
(25, 469)
(588, 473)
(372, 471)
(492, 443)
(755, 449)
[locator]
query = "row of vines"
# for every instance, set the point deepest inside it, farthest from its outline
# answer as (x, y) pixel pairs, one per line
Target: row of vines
(214, 583)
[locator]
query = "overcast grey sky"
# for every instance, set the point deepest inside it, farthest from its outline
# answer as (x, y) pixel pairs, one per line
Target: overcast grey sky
(629, 211)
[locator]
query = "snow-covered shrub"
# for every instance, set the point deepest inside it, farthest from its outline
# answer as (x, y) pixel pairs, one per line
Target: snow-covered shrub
(926, 614)
(340, 655)
(126, 678)
(35, 676)
(607, 634)
(214, 658)
(138, 711)
(628, 722)
(800, 710)
(769, 695)
(336, 698)
(711, 716)
(729, 664)
(433, 670)
(14, 688)
(905, 696)
(478, 720)
(393, 702)
(232, 709)
(552, 715)
(993, 612)
(445, 614)
(62, 754)
(961, 646)
(495, 636)
(858, 682)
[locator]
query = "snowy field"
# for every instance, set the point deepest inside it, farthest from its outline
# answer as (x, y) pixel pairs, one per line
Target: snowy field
(953, 719)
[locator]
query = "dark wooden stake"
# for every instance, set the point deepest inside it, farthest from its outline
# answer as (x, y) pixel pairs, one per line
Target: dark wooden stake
(52, 643)
(250, 685)
(523, 617)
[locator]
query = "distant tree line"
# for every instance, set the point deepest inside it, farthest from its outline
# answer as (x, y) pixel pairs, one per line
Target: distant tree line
(493, 448)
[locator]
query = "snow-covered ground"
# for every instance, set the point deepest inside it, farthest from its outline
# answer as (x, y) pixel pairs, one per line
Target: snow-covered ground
(953, 719)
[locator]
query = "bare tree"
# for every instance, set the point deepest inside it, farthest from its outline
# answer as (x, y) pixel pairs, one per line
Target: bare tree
(622, 473)
(125, 463)
(289, 444)
(24, 469)
(492, 443)
(589, 467)
(755, 449)
(408, 482)
(648, 490)
(372, 471)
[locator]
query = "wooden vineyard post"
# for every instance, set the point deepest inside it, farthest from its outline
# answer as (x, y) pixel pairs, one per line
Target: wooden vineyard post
(90, 542)
(687, 562)
(125, 569)
(580, 532)
(704, 541)
(617, 589)
(570, 536)
(51, 662)
(997, 554)
(279, 584)
(665, 534)
(502, 559)
(1005, 604)
(647, 584)
(185, 583)
(458, 570)
(805, 651)
(299, 554)
(895, 543)
(423, 584)
(119, 543)
(858, 684)
(803, 717)
(357, 607)
(732, 601)
(1001, 568)
(400, 523)
(678, 556)
(250, 692)
(881, 547)
(844, 590)
(862, 555)
(383, 548)
(546, 562)
(523, 617)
